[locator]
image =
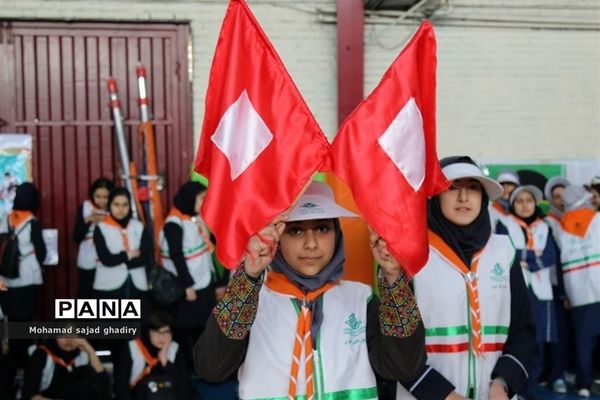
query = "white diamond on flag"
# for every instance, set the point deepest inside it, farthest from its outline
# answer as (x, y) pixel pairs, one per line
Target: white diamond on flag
(241, 135)
(404, 142)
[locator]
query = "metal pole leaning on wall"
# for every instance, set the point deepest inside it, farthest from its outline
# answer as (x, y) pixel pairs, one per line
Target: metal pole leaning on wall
(150, 167)
(115, 106)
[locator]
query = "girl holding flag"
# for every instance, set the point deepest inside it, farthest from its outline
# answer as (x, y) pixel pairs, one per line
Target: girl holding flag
(290, 326)
(471, 294)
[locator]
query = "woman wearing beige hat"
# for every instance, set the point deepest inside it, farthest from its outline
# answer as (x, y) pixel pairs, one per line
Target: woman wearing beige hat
(472, 297)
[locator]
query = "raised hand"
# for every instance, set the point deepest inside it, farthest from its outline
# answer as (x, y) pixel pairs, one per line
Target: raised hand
(498, 391)
(388, 263)
(261, 247)
(190, 294)
(162, 353)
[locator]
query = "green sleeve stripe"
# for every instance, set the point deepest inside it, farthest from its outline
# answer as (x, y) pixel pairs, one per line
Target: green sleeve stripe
(350, 394)
(593, 257)
(464, 329)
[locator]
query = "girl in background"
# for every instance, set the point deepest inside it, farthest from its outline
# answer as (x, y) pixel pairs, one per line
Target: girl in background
(559, 350)
(153, 365)
(186, 251)
(124, 249)
(537, 255)
(18, 302)
(65, 368)
(89, 214)
(580, 255)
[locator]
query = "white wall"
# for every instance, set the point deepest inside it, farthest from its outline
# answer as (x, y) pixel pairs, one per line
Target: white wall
(503, 93)
(509, 93)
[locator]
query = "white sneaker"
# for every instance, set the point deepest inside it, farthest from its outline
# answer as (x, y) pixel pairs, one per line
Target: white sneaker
(559, 386)
(583, 392)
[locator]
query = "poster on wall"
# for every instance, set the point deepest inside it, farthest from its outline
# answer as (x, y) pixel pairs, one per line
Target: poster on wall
(15, 167)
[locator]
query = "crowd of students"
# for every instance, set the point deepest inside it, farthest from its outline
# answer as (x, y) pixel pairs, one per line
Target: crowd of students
(502, 282)
(559, 254)
(115, 251)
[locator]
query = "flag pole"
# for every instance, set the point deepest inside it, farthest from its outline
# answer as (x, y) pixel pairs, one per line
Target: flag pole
(115, 106)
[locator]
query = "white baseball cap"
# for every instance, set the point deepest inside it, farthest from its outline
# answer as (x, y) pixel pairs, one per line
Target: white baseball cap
(552, 183)
(575, 196)
(461, 167)
(317, 202)
(537, 193)
(508, 176)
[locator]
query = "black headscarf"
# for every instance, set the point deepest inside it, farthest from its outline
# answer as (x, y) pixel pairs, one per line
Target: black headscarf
(185, 198)
(26, 198)
(157, 320)
(145, 337)
(100, 183)
(464, 240)
(331, 273)
(121, 191)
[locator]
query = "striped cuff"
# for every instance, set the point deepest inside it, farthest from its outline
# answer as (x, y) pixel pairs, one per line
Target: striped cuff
(398, 313)
(236, 311)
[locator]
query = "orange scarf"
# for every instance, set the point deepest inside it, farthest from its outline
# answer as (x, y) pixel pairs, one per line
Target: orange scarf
(577, 222)
(281, 284)
(470, 276)
(16, 217)
(499, 208)
(151, 361)
(109, 220)
(201, 229)
(529, 230)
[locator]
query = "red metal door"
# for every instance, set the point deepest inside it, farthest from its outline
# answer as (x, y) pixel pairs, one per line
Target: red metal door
(53, 86)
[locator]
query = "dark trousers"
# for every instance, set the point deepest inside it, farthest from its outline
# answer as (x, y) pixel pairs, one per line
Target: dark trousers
(559, 350)
(18, 304)
(530, 389)
(126, 291)
(586, 320)
(85, 278)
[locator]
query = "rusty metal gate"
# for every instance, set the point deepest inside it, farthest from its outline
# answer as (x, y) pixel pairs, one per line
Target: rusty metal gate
(53, 86)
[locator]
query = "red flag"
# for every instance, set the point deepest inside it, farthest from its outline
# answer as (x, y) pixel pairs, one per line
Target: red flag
(385, 150)
(260, 144)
